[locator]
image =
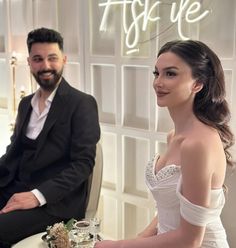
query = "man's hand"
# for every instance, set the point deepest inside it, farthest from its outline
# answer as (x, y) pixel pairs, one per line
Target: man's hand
(24, 200)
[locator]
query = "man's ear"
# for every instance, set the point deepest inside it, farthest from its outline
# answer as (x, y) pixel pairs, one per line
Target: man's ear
(64, 59)
(197, 86)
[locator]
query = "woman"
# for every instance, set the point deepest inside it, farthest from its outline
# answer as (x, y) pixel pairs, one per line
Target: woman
(187, 181)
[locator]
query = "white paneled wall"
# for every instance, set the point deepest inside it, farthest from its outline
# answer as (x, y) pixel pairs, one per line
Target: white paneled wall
(133, 128)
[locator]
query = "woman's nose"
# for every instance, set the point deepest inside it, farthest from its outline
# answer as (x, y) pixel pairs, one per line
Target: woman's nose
(157, 82)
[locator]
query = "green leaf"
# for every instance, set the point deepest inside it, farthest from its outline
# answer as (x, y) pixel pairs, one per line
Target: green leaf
(70, 223)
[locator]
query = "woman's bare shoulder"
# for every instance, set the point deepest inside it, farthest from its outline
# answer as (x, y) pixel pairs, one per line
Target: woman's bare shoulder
(204, 141)
(202, 150)
(193, 146)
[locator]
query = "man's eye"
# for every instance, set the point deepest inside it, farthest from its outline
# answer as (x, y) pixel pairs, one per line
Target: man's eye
(53, 59)
(37, 59)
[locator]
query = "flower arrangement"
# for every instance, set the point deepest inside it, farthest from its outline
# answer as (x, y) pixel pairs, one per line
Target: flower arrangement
(58, 235)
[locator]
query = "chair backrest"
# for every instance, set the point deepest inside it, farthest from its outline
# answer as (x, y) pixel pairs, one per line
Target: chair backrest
(94, 184)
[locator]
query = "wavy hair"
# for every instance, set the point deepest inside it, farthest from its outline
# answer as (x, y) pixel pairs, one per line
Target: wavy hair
(210, 105)
(44, 35)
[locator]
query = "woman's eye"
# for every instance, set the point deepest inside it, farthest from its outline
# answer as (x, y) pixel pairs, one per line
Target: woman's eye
(155, 73)
(170, 73)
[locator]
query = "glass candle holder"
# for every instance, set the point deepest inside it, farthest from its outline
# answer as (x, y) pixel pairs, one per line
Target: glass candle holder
(82, 229)
(95, 228)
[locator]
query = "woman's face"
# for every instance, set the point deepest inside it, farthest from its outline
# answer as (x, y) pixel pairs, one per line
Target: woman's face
(173, 82)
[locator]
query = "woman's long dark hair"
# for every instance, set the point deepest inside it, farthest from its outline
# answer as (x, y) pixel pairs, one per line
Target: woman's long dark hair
(210, 105)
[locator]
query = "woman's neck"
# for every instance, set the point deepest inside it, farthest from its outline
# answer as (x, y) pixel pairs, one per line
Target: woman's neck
(183, 118)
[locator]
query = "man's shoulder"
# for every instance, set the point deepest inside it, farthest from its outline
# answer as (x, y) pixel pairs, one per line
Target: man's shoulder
(27, 99)
(73, 93)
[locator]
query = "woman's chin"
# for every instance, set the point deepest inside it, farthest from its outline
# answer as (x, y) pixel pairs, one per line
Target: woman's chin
(161, 104)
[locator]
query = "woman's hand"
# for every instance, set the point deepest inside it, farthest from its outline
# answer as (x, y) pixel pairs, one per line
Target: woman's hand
(108, 244)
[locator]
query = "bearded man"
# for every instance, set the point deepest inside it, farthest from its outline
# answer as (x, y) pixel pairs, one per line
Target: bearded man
(45, 170)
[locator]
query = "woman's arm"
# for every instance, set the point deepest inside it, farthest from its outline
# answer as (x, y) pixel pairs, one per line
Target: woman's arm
(150, 230)
(196, 186)
(171, 239)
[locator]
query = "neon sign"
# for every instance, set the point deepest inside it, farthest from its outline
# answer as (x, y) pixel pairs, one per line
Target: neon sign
(186, 10)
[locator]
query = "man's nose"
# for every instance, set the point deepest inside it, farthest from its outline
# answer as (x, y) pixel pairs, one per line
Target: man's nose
(46, 64)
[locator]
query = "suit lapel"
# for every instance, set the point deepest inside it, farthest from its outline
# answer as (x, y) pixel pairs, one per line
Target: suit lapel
(25, 113)
(57, 107)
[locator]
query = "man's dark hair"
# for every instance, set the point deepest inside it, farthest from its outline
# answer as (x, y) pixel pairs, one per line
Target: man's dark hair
(44, 35)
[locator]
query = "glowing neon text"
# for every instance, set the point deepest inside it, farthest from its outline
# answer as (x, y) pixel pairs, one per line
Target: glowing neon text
(185, 10)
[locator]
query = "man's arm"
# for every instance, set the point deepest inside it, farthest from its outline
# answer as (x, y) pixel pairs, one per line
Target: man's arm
(85, 133)
(23, 200)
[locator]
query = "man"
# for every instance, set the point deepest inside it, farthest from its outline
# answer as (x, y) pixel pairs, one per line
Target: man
(44, 173)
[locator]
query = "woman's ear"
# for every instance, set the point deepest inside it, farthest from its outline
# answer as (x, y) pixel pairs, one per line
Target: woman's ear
(197, 86)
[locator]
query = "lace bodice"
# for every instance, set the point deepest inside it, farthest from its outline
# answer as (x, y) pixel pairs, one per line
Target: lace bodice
(165, 186)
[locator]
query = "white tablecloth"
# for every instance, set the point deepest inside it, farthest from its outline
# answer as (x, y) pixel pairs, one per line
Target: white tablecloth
(33, 241)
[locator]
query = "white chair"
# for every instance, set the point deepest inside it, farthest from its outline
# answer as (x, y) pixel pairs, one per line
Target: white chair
(94, 186)
(94, 189)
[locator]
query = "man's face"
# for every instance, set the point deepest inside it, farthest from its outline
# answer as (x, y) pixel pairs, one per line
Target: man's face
(46, 63)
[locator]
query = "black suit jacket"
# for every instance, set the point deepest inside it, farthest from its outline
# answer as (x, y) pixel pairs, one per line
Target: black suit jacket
(65, 153)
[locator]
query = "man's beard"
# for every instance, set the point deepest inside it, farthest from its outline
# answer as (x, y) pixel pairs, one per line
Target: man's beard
(48, 84)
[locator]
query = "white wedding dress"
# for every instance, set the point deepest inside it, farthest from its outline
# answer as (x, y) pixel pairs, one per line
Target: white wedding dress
(171, 204)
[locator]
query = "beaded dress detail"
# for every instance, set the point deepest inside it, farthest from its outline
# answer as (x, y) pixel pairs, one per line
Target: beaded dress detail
(165, 186)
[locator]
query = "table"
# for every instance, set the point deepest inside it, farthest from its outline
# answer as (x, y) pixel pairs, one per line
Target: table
(33, 241)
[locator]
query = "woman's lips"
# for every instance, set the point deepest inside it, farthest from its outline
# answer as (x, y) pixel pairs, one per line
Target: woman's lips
(161, 93)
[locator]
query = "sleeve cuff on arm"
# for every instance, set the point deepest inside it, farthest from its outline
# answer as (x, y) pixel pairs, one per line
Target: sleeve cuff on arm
(39, 196)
